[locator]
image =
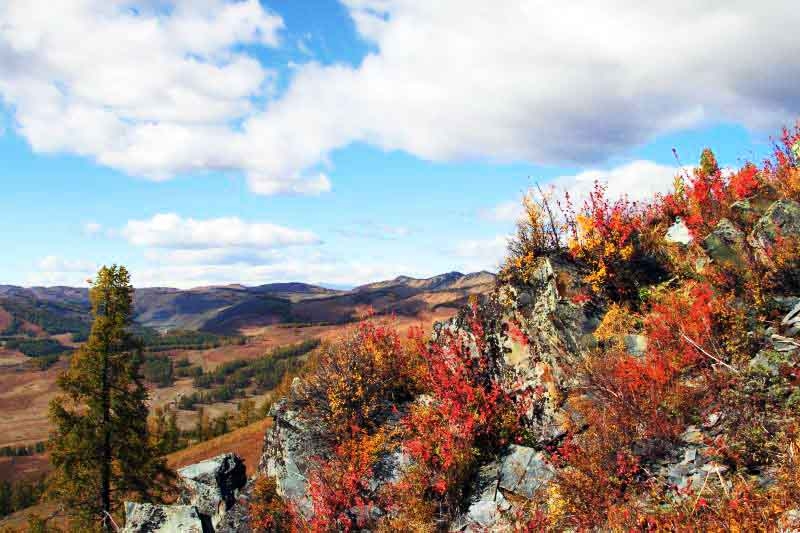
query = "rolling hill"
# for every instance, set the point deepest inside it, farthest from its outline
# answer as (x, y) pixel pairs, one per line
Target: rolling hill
(230, 308)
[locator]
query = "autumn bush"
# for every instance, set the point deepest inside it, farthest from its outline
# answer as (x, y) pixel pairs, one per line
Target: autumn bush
(619, 243)
(703, 358)
(341, 486)
(358, 380)
(472, 408)
(268, 512)
(540, 233)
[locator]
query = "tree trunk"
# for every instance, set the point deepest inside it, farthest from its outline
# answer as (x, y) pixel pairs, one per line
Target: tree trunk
(105, 487)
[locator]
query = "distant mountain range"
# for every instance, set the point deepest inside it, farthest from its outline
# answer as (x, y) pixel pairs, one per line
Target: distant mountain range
(228, 309)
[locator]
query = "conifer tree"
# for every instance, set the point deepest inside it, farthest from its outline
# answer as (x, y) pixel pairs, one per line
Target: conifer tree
(100, 449)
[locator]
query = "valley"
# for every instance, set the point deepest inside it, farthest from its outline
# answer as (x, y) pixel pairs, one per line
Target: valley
(198, 330)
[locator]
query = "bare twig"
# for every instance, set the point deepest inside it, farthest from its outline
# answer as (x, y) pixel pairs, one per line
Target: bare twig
(701, 350)
(705, 480)
(553, 227)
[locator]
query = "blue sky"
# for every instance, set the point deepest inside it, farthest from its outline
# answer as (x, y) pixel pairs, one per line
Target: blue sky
(345, 142)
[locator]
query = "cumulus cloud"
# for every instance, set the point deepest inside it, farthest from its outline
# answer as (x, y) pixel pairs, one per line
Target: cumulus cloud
(169, 230)
(480, 254)
(54, 270)
(156, 93)
(503, 212)
(306, 268)
(638, 180)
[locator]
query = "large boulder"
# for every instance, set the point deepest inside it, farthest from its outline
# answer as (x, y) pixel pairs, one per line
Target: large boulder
(487, 506)
(149, 518)
(780, 221)
(747, 211)
(524, 471)
(288, 448)
(726, 244)
(213, 485)
(519, 474)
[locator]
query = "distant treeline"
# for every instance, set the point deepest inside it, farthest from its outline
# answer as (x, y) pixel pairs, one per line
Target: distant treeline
(18, 495)
(37, 347)
(230, 380)
(22, 451)
(159, 368)
(52, 318)
(184, 340)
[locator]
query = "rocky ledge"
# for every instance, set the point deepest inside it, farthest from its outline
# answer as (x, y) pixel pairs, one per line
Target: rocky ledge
(212, 499)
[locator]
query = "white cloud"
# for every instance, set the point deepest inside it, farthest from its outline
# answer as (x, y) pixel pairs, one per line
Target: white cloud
(185, 269)
(306, 268)
(54, 263)
(54, 270)
(211, 256)
(168, 230)
(638, 180)
(156, 94)
(503, 212)
(481, 254)
(92, 228)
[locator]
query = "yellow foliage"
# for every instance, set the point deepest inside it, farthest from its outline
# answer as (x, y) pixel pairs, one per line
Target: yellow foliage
(617, 322)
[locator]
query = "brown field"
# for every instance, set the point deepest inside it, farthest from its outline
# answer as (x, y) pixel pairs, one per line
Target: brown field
(28, 467)
(24, 397)
(5, 319)
(245, 442)
(11, 358)
(25, 394)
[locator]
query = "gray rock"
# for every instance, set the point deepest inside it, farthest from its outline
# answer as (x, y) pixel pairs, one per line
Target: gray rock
(524, 298)
(747, 211)
(690, 455)
(692, 435)
(791, 322)
(287, 452)
(714, 468)
(485, 512)
(636, 344)
(769, 361)
(782, 219)
(784, 344)
(712, 419)
(149, 518)
(524, 471)
(212, 486)
(725, 244)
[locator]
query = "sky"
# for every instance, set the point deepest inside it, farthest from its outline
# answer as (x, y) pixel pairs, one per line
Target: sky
(204, 142)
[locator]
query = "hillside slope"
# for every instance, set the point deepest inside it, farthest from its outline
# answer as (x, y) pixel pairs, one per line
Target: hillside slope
(617, 379)
(228, 309)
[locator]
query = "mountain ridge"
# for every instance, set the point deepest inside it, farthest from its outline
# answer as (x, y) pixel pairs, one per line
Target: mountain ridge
(230, 308)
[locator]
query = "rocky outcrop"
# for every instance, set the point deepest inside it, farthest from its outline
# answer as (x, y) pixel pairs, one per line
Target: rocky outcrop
(520, 473)
(558, 332)
(212, 486)
(780, 221)
(545, 326)
(208, 501)
(288, 447)
(726, 244)
(147, 518)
